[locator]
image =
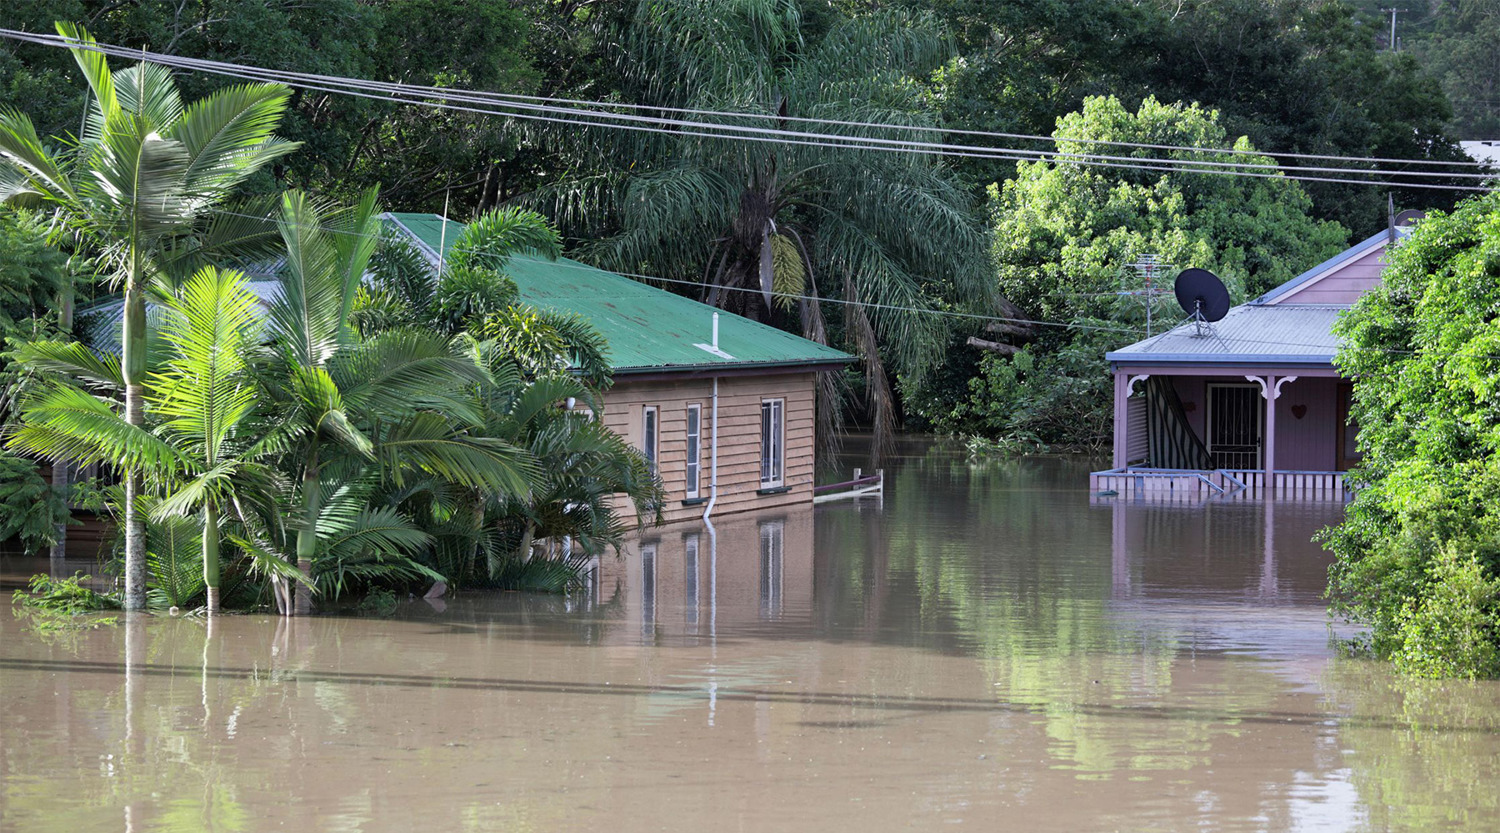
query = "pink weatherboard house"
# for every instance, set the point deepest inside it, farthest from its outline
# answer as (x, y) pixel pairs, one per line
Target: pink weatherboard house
(1250, 406)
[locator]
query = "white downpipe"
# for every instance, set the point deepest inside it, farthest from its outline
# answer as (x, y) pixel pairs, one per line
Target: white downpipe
(713, 544)
(713, 445)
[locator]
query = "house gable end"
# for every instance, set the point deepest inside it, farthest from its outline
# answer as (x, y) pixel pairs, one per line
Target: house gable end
(1338, 281)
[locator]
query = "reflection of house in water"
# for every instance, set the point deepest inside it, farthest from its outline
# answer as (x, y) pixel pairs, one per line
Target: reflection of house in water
(1226, 552)
(685, 580)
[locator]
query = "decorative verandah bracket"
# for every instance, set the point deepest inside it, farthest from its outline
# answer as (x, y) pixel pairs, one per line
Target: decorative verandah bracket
(1267, 389)
(1130, 383)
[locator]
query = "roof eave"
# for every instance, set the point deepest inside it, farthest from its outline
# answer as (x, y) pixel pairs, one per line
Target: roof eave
(1226, 360)
(736, 367)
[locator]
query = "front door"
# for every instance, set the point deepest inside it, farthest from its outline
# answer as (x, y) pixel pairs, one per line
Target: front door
(1235, 416)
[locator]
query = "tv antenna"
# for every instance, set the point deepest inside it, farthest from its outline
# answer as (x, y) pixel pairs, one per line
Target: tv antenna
(1203, 297)
(1150, 267)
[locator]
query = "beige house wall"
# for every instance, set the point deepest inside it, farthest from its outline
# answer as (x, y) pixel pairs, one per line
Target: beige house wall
(740, 399)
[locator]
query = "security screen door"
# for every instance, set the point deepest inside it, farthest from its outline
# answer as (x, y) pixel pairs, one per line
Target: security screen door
(1235, 418)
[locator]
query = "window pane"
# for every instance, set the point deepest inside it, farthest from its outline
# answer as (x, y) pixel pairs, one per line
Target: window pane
(649, 441)
(765, 442)
(694, 448)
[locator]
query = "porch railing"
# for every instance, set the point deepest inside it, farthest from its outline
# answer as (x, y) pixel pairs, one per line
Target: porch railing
(1191, 486)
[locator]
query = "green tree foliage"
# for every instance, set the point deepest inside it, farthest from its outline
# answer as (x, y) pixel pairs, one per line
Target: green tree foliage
(202, 443)
(1463, 51)
(142, 187)
(1419, 552)
(351, 143)
(30, 511)
(1066, 237)
(892, 230)
(1301, 76)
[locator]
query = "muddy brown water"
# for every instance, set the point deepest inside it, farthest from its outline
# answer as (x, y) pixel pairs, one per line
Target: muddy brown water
(988, 648)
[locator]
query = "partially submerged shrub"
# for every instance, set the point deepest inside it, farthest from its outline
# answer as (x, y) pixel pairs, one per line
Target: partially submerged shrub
(65, 595)
(1451, 629)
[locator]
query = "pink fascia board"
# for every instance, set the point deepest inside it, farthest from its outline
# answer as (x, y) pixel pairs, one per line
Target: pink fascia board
(1204, 369)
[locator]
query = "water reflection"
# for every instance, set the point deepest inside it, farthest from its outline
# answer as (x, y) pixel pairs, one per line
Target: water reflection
(984, 648)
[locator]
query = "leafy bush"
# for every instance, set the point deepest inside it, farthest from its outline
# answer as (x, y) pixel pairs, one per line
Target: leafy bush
(29, 509)
(1418, 551)
(1450, 630)
(540, 575)
(65, 595)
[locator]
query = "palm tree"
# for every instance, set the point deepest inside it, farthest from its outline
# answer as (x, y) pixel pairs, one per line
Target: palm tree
(393, 405)
(204, 442)
(887, 233)
(145, 184)
(534, 359)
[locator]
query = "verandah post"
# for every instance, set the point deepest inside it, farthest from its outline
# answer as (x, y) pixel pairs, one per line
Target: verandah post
(1270, 451)
(1122, 393)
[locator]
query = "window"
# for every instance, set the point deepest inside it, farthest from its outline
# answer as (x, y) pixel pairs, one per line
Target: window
(772, 442)
(694, 447)
(650, 435)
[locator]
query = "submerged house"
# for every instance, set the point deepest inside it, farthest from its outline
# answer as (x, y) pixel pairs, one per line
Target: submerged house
(1251, 405)
(723, 406)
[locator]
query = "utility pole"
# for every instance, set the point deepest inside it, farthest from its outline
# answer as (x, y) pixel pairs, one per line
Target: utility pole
(1393, 12)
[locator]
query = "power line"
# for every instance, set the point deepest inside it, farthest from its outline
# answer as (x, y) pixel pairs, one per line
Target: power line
(504, 99)
(1124, 330)
(400, 93)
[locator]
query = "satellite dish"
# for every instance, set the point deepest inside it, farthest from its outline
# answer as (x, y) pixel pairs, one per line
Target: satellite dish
(1202, 295)
(1409, 217)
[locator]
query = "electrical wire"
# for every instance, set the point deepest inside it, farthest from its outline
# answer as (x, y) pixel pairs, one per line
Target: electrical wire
(400, 93)
(1124, 330)
(395, 93)
(506, 98)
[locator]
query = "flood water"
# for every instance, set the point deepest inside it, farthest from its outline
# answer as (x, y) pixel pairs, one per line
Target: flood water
(987, 648)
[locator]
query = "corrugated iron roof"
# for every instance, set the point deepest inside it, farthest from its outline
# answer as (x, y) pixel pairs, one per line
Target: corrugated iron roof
(648, 329)
(1299, 334)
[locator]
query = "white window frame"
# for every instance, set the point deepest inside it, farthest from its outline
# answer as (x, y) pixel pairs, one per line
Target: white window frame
(693, 471)
(772, 443)
(651, 436)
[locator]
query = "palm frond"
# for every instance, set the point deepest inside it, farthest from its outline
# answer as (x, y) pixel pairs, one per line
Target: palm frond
(306, 316)
(397, 371)
(174, 562)
(73, 360)
(95, 69)
(30, 171)
(61, 422)
(227, 135)
(426, 442)
(496, 235)
(148, 91)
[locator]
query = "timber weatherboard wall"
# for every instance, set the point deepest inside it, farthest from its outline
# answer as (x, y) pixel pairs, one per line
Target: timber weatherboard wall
(740, 398)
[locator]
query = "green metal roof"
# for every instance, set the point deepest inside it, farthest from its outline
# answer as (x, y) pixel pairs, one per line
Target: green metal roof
(648, 329)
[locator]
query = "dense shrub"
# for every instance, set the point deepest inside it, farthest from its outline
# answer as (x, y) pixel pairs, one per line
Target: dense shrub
(1417, 555)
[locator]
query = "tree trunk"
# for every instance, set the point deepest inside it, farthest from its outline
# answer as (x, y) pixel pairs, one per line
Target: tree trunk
(307, 536)
(133, 356)
(60, 473)
(211, 555)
